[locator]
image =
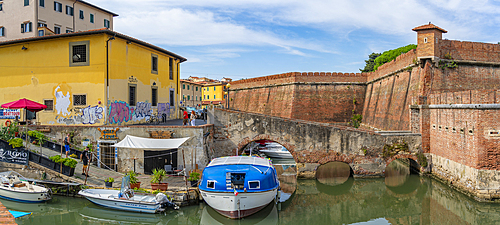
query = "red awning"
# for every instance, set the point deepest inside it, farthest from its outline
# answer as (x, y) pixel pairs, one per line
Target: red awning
(24, 104)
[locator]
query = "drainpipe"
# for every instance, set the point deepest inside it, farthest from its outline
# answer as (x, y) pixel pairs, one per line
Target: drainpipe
(107, 72)
(74, 30)
(36, 18)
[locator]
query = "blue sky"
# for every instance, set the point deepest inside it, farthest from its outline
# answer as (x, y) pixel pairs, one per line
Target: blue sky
(251, 38)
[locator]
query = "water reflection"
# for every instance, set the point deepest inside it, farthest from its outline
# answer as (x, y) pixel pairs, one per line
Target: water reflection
(399, 178)
(268, 215)
(333, 173)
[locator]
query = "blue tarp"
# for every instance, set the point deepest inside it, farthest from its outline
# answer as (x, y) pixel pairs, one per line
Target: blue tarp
(17, 214)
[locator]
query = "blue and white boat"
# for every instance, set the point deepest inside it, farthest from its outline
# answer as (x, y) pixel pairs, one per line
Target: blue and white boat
(15, 187)
(239, 186)
(125, 199)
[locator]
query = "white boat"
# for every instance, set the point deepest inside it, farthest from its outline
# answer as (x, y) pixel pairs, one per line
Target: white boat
(277, 152)
(15, 187)
(239, 186)
(125, 199)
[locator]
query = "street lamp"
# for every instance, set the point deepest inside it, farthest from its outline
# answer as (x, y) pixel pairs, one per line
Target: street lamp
(227, 94)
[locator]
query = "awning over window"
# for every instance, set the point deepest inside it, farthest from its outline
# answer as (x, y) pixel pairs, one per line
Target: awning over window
(150, 143)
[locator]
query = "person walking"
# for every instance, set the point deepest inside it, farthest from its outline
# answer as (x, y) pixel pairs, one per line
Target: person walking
(66, 144)
(185, 118)
(85, 157)
(193, 118)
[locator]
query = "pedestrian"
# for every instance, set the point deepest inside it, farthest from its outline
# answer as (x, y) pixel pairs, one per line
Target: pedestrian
(193, 118)
(85, 158)
(185, 118)
(66, 144)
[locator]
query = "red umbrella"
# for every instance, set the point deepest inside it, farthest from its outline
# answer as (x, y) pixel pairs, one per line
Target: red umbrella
(24, 104)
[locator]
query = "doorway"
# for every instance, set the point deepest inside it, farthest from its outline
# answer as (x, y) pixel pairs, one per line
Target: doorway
(107, 156)
(158, 159)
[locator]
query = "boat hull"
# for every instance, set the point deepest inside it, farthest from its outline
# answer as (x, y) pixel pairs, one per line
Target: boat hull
(27, 197)
(226, 203)
(125, 205)
(277, 154)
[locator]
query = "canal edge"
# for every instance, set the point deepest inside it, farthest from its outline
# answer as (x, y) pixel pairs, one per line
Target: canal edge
(5, 216)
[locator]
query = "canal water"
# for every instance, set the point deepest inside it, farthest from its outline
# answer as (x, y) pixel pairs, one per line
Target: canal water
(403, 198)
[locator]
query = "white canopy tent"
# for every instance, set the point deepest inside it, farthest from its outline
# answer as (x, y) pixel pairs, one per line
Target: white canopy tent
(150, 143)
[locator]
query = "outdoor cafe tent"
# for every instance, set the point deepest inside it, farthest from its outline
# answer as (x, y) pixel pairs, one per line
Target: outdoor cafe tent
(150, 143)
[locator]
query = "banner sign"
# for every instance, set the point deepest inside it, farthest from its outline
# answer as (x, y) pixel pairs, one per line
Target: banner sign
(10, 113)
(17, 156)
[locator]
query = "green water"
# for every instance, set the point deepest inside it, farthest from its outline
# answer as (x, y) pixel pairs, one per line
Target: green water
(405, 200)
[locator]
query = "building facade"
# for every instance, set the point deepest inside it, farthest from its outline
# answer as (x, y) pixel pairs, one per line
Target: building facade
(191, 93)
(97, 77)
(214, 93)
(34, 18)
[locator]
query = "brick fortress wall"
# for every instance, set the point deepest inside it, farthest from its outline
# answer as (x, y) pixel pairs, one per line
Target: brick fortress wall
(319, 96)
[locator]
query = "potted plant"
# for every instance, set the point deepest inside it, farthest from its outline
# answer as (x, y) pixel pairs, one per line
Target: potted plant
(16, 142)
(109, 182)
(156, 179)
(193, 178)
(134, 183)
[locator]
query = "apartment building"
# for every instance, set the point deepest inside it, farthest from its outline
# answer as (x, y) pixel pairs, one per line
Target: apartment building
(191, 93)
(35, 18)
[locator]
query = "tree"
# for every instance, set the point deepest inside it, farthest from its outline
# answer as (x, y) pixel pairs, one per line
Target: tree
(370, 63)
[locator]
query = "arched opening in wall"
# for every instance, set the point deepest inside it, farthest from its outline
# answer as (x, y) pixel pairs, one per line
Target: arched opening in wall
(334, 173)
(401, 176)
(281, 159)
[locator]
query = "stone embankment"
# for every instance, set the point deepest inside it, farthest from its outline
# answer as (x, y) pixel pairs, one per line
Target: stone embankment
(5, 216)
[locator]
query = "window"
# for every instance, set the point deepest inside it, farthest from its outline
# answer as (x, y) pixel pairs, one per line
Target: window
(26, 27)
(79, 53)
(171, 97)
(132, 95)
(2, 31)
(26, 2)
(154, 64)
(69, 10)
(92, 18)
(208, 96)
(196, 88)
(214, 97)
(254, 184)
(79, 100)
(42, 24)
(57, 30)
(41, 33)
(189, 97)
(184, 97)
(1, 6)
(42, 3)
(68, 30)
(211, 184)
(188, 87)
(106, 23)
(49, 104)
(214, 88)
(196, 98)
(183, 86)
(81, 14)
(57, 7)
(170, 68)
(154, 96)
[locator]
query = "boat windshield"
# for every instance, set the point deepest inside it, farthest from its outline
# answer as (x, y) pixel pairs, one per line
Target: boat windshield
(125, 184)
(5, 177)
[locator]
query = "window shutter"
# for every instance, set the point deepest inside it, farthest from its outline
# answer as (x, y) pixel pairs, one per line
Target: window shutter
(22, 27)
(55, 6)
(30, 26)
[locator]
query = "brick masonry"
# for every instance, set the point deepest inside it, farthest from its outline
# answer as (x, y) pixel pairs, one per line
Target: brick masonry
(397, 97)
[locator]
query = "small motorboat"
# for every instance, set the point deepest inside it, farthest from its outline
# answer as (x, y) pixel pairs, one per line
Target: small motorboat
(239, 186)
(276, 151)
(15, 187)
(125, 199)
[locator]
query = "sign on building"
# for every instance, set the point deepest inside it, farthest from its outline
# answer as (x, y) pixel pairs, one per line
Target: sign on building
(17, 156)
(10, 113)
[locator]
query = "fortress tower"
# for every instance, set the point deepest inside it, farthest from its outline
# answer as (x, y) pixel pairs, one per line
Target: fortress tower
(428, 38)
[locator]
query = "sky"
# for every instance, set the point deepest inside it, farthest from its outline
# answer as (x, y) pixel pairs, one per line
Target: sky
(242, 39)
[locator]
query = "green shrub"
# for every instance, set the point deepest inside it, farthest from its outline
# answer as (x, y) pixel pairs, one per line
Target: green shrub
(158, 175)
(56, 159)
(109, 179)
(390, 55)
(422, 160)
(194, 176)
(133, 177)
(356, 120)
(16, 142)
(70, 162)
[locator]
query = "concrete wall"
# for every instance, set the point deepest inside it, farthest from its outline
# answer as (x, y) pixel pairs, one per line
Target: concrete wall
(194, 150)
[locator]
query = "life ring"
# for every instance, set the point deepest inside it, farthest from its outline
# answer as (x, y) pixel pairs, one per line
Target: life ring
(8, 123)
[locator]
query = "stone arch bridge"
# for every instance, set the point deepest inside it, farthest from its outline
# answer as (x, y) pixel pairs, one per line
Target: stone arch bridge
(313, 144)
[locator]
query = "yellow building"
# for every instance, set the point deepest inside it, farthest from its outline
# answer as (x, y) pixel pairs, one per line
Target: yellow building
(214, 93)
(93, 77)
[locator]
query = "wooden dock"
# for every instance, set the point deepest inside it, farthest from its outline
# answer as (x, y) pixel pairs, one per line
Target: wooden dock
(5, 216)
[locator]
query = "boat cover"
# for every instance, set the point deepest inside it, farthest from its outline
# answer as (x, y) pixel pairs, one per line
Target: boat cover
(240, 160)
(17, 214)
(150, 143)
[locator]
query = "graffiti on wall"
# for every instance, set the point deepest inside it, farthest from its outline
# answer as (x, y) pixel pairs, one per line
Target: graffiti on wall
(62, 100)
(142, 111)
(119, 112)
(164, 108)
(92, 114)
